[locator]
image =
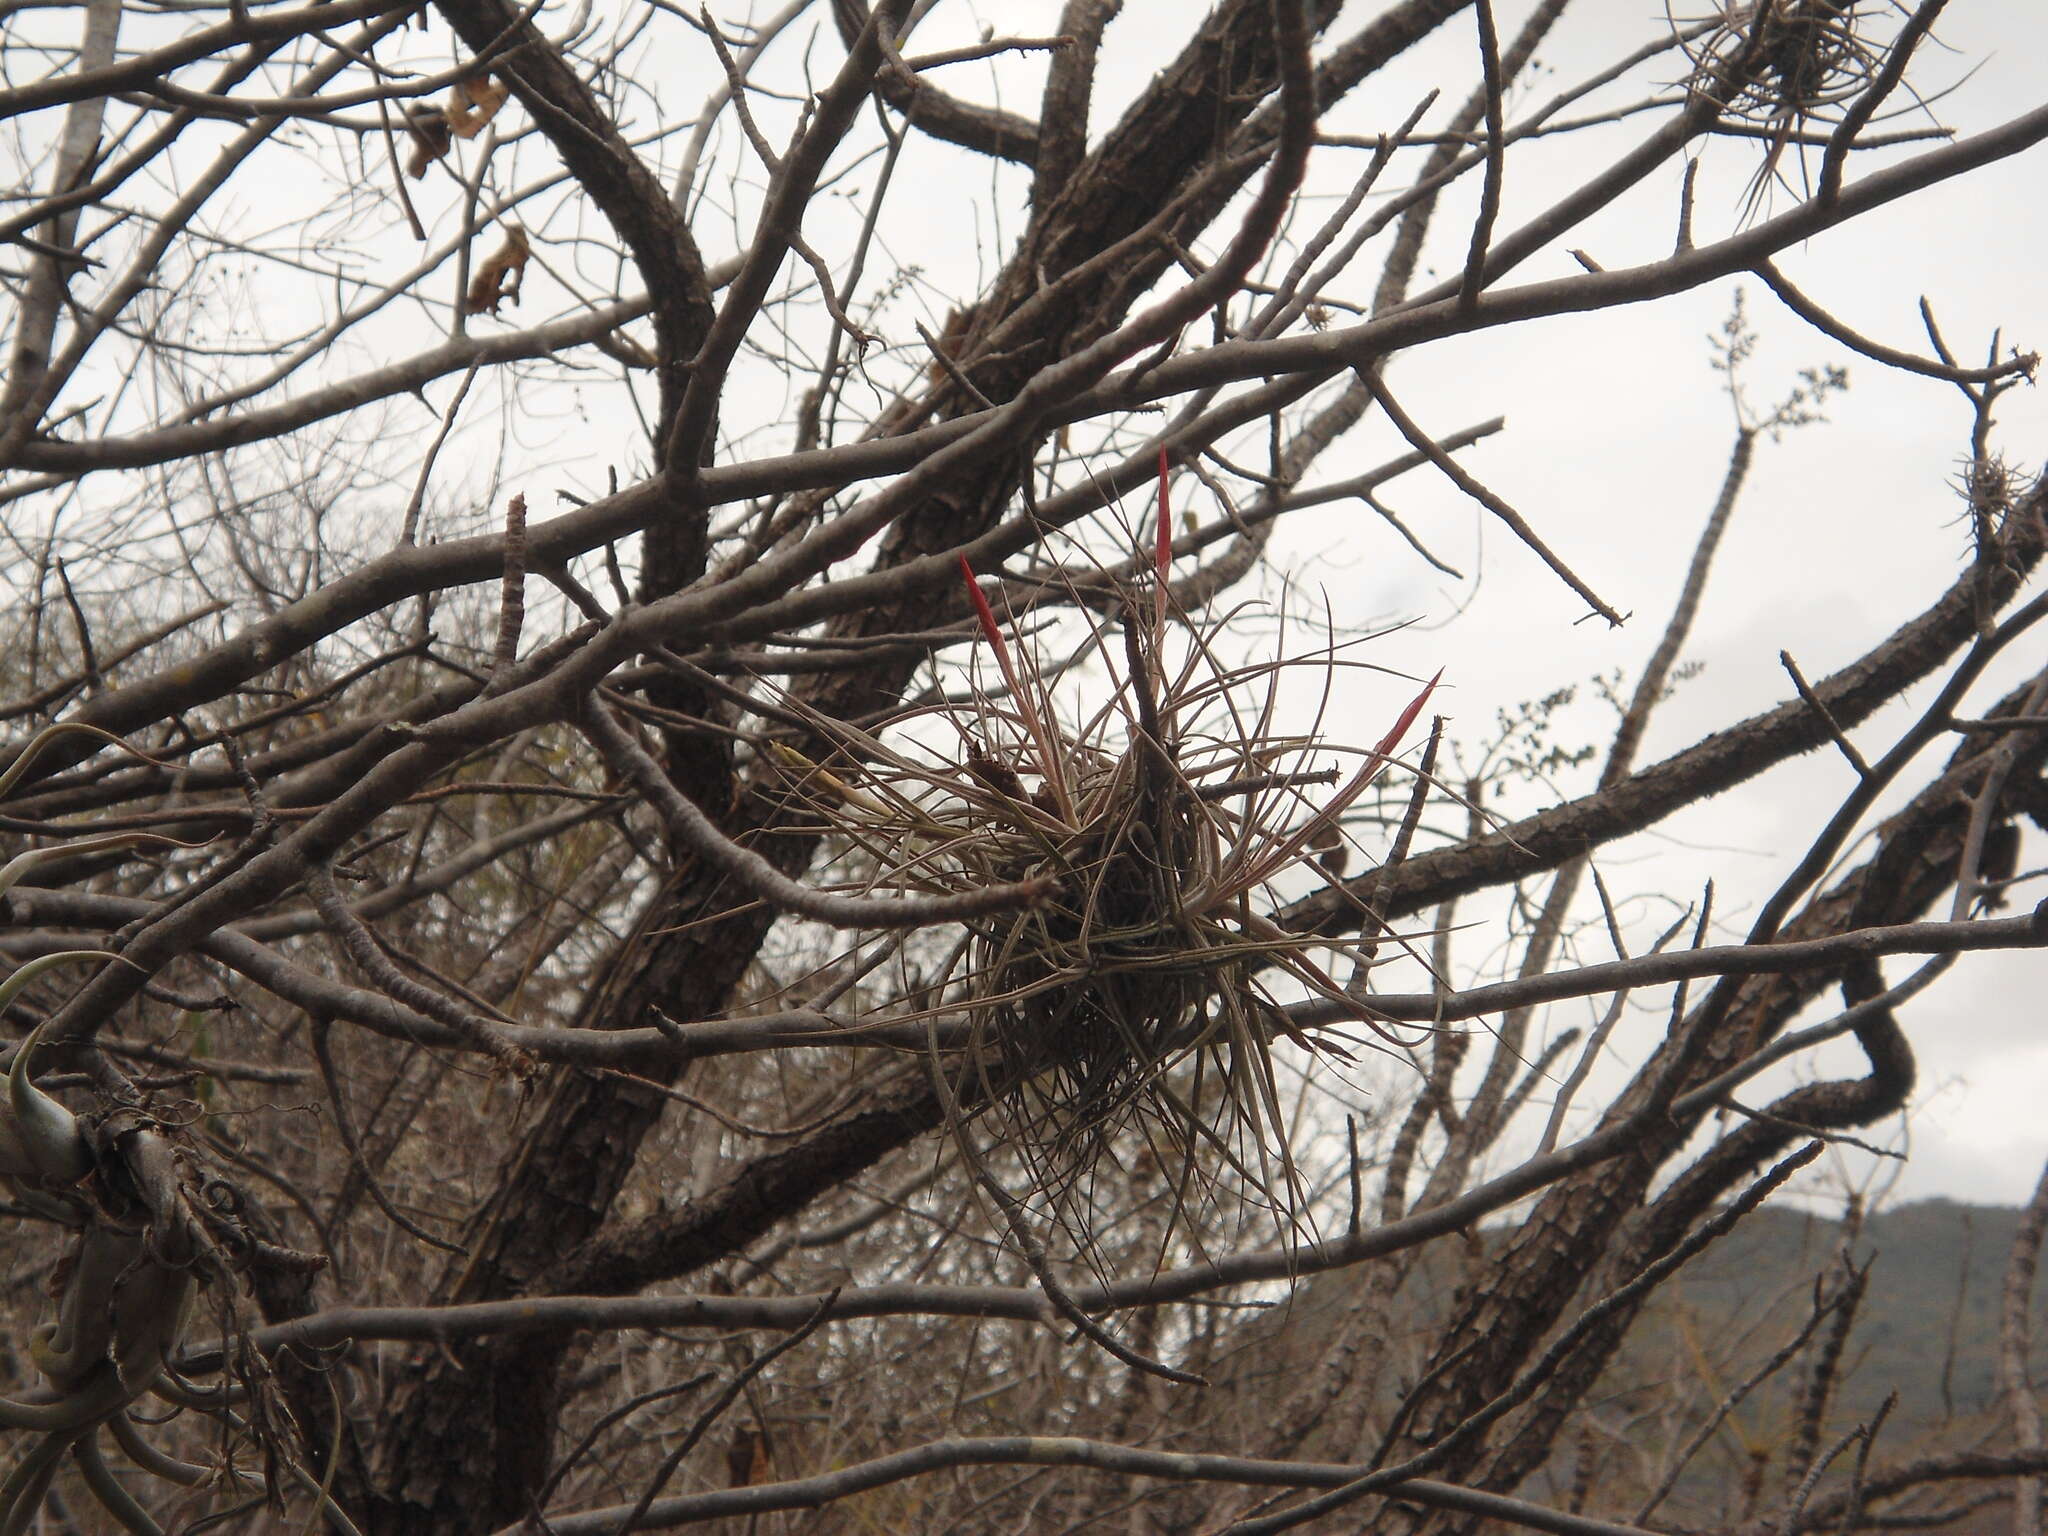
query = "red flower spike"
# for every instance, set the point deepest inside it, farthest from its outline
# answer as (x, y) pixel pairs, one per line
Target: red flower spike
(1048, 761)
(1245, 873)
(1393, 738)
(981, 607)
(987, 615)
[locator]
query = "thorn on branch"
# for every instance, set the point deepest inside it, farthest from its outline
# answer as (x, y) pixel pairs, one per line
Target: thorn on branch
(1815, 703)
(1424, 444)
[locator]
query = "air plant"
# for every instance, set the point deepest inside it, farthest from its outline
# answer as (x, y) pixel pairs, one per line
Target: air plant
(42, 1151)
(1783, 65)
(123, 1293)
(1143, 996)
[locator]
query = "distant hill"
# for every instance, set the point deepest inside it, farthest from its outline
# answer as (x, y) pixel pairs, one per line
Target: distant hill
(1926, 1327)
(1928, 1324)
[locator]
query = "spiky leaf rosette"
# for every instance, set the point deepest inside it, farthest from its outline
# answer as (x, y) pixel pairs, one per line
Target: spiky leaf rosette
(1132, 1012)
(1785, 66)
(1133, 1006)
(1796, 58)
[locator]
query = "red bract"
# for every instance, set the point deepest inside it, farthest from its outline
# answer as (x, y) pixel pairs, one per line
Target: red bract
(990, 628)
(1250, 871)
(1393, 738)
(981, 607)
(1027, 703)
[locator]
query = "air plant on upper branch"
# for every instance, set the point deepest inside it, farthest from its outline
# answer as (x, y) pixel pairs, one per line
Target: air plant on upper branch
(1138, 995)
(1784, 65)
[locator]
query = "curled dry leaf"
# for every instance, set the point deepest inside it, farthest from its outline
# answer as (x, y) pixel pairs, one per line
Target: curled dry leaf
(472, 104)
(498, 278)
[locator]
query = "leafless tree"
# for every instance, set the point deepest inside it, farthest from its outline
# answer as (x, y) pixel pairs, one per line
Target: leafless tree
(830, 976)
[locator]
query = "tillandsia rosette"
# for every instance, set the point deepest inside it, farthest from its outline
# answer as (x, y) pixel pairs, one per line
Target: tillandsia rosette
(1131, 1010)
(1781, 66)
(1790, 56)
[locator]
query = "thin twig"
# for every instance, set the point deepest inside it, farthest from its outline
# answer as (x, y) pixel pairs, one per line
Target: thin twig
(1525, 1385)
(1456, 474)
(410, 526)
(1819, 707)
(370, 960)
(1860, 112)
(1729, 1404)
(344, 1127)
(725, 1399)
(88, 659)
(2022, 365)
